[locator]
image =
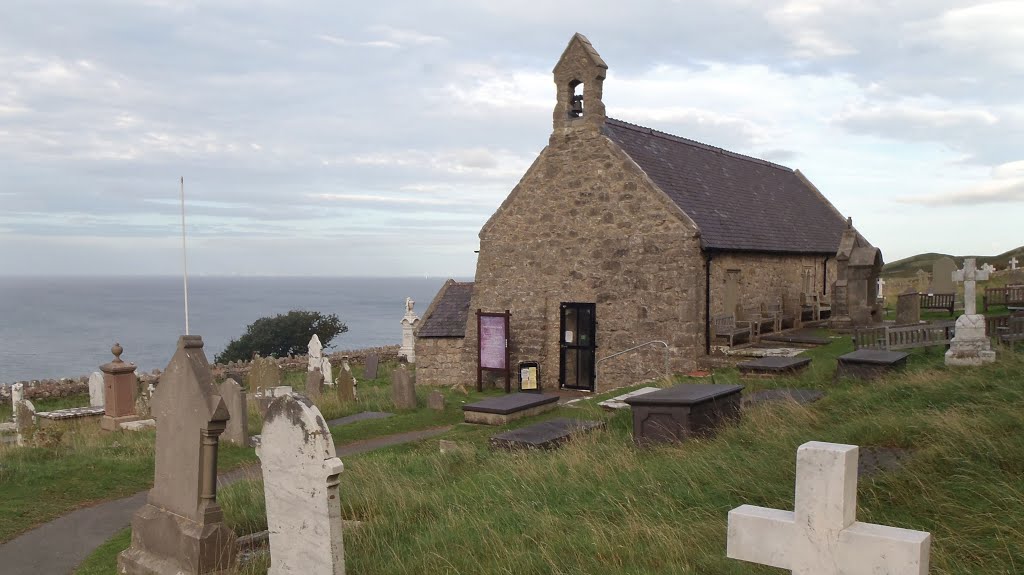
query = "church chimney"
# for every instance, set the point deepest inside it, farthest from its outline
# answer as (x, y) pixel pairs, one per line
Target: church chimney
(579, 76)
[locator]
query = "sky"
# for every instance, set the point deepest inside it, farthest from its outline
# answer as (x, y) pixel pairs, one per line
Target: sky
(376, 138)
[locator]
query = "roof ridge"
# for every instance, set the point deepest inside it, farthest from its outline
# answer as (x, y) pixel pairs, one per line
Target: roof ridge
(690, 142)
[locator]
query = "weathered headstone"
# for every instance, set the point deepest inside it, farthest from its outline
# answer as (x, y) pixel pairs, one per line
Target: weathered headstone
(327, 370)
(315, 353)
(119, 386)
(181, 530)
(921, 282)
(372, 363)
(24, 412)
(908, 308)
(822, 536)
(942, 276)
(409, 323)
(301, 477)
(403, 391)
(237, 429)
(435, 400)
(96, 388)
(970, 346)
(17, 394)
(345, 386)
(314, 384)
(264, 374)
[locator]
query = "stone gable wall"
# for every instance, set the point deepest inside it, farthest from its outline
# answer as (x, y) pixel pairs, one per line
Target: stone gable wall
(763, 278)
(439, 361)
(585, 224)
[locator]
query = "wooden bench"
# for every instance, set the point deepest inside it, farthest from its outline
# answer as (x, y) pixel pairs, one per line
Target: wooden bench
(761, 323)
(1007, 296)
(892, 338)
(777, 311)
(938, 301)
(814, 305)
(726, 326)
(1013, 332)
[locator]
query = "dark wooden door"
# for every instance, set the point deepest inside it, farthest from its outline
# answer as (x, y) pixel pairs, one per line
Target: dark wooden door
(578, 346)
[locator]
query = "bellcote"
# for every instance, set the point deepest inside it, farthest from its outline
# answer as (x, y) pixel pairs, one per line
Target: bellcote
(579, 75)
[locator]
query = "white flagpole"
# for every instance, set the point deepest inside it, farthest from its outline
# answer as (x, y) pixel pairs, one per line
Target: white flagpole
(184, 258)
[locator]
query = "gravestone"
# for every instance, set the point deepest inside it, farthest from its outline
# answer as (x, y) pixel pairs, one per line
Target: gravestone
(1013, 263)
(921, 282)
(908, 308)
(316, 349)
(942, 276)
(96, 388)
(989, 268)
(119, 386)
(237, 429)
(181, 528)
(855, 291)
(17, 394)
(372, 362)
(264, 374)
(435, 400)
(403, 391)
(327, 370)
(822, 536)
(346, 386)
(301, 477)
(970, 345)
(881, 290)
(409, 323)
(314, 384)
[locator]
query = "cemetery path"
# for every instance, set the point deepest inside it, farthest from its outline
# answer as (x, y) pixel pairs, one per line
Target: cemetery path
(59, 546)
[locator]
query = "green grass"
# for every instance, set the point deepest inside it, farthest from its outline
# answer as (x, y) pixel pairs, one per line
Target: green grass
(48, 404)
(103, 560)
(601, 505)
(907, 267)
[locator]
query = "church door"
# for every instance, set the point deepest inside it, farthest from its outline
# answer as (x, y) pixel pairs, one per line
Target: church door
(578, 348)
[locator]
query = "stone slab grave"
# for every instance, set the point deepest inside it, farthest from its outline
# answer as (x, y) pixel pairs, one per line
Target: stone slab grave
(181, 528)
(683, 411)
(544, 435)
(46, 418)
(138, 425)
(358, 417)
(501, 410)
(301, 478)
(822, 536)
(762, 349)
(870, 363)
(772, 366)
(372, 363)
(800, 396)
(619, 401)
(798, 336)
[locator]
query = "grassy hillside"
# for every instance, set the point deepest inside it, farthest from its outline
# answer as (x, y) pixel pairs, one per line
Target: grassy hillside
(907, 267)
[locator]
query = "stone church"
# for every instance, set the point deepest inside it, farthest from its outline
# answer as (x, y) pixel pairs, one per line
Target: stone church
(619, 235)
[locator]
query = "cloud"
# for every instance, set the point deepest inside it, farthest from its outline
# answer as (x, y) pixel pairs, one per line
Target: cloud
(1005, 187)
(337, 41)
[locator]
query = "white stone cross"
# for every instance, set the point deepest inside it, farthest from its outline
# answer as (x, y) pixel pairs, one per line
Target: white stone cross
(969, 276)
(989, 268)
(1013, 263)
(881, 288)
(822, 536)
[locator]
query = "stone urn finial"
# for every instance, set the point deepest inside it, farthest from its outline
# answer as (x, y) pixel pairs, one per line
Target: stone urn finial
(117, 350)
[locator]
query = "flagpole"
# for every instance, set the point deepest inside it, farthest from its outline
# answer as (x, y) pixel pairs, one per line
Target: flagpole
(184, 257)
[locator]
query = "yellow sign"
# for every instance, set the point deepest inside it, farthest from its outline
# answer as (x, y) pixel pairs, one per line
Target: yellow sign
(528, 375)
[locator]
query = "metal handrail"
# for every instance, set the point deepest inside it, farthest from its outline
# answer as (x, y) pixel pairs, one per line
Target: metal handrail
(668, 355)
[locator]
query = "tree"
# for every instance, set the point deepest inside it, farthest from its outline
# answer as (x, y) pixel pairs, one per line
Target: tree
(282, 335)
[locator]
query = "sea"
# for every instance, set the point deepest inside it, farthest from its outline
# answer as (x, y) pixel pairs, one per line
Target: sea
(54, 327)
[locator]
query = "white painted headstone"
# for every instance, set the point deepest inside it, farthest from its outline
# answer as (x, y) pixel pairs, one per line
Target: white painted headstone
(970, 345)
(327, 370)
(301, 477)
(96, 390)
(315, 353)
(822, 536)
(1013, 263)
(409, 323)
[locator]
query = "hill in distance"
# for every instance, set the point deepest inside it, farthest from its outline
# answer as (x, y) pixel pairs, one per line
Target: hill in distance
(907, 267)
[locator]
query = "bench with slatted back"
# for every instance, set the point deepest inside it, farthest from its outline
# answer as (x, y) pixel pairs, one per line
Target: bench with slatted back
(726, 326)
(1010, 296)
(938, 301)
(892, 338)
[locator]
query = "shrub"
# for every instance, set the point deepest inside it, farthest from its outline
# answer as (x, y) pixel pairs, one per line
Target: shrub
(282, 334)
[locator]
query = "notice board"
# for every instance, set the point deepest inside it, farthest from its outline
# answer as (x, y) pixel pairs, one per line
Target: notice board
(492, 346)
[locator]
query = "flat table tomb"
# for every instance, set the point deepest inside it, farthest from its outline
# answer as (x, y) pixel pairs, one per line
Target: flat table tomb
(870, 363)
(774, 365)
(683, 411)
(506, 408)
(544, 435)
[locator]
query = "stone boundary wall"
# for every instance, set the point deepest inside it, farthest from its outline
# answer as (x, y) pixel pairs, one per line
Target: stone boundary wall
(65, 387)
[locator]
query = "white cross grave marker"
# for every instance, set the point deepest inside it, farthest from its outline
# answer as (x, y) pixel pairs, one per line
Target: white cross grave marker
(881, 288)
(822, 536)
(969, 276)
(1013, 263)
(989, 268)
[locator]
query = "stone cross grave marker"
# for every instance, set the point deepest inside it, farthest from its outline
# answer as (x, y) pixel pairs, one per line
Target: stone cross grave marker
(403, 390)
(96, 390)
(301, 477)
(316, 350)
(881, 288)
(989, 268)
(822, 536)
(1013, 263)
(372, 363)
(970, 275)
(314, 384)
(181, 528)
(237, 429)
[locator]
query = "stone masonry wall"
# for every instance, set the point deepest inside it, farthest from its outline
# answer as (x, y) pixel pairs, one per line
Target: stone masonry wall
(763, 278)
(585, 224)
(438, 360)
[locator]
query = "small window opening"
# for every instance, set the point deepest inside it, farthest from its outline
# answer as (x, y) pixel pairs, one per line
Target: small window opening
(576, 103)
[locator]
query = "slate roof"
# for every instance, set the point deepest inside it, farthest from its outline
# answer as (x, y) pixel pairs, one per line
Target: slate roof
(447, 314)
(738, 202)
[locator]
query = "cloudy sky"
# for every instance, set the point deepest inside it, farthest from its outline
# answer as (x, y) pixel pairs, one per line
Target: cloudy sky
(375, 138)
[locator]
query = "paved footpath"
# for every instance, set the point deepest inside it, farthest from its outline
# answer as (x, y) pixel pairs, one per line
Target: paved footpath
(59, 546)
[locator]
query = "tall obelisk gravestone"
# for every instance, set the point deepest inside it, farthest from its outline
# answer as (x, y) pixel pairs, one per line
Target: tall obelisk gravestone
(180, 530)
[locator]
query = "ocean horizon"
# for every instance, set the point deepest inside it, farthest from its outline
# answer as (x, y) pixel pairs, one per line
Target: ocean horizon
(64, 326)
